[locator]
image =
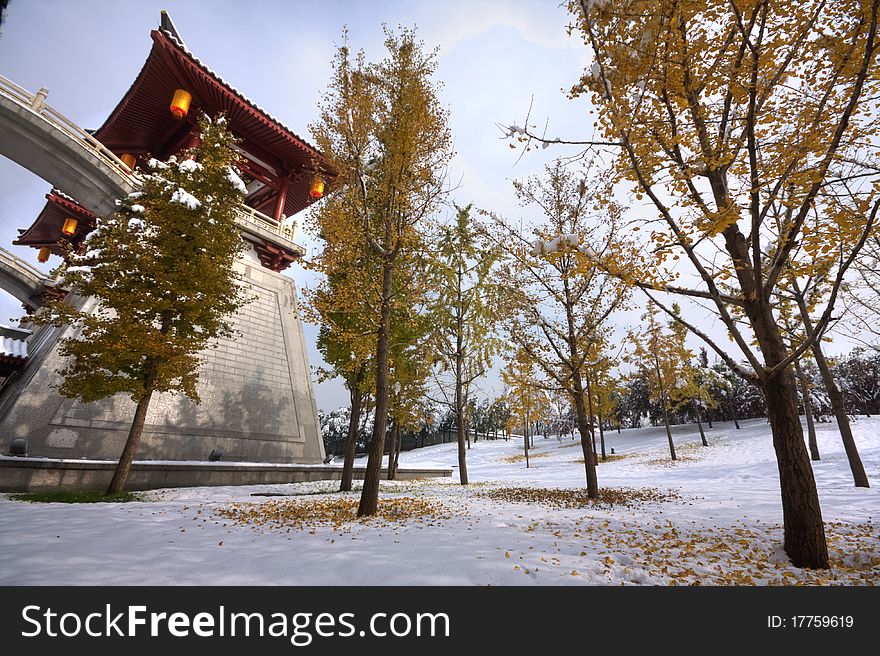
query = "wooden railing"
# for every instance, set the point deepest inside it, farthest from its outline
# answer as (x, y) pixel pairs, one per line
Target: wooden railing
(248, 216)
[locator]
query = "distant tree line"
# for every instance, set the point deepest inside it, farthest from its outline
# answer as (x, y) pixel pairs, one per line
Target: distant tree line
(728, 397)
(484, 419)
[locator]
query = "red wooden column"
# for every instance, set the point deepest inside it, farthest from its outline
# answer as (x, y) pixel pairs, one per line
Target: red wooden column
(282, 197)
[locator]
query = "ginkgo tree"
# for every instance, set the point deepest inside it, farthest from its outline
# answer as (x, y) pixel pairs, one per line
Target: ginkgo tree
(344, 305)
(384, 131)
(721, 110)
(807, 295)
(557, 301)
(600, 393)
(353, 367)
(659, 357)
(411, 354)
(701, 384)
(524, 395)
(794, 335)
(805, 285)
(464, 316)
(161, 275)
(689, 389)
(862, 295)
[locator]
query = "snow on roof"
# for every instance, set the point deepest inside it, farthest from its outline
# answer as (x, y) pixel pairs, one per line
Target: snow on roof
(13, 348)
(61, 194)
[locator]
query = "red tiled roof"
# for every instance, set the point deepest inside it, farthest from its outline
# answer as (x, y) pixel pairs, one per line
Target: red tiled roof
(46, 230)
(141, 122)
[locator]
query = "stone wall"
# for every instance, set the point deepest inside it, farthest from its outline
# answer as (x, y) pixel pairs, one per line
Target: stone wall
(39, 475)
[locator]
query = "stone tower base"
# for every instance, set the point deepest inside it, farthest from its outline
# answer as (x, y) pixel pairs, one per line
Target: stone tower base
(257, 399)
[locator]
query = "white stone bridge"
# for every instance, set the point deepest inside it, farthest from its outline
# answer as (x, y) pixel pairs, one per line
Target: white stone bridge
(22, 280)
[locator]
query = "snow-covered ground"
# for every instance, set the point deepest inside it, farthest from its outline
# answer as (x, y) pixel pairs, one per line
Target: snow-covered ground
(718, 521)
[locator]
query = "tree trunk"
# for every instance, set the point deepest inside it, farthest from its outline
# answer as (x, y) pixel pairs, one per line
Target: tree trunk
(365, 414)
(802, 516)
(808, 411)
(459, 414)
(663, 405)
(733, 413)
(860, 478)
(394, 464)
(601, 421)
(120, 475)
(700, 423)
(590, 413)
(354, 421)
(586, 441)
(392, 449)
(526, 439)
(369, 502)
(666, 423)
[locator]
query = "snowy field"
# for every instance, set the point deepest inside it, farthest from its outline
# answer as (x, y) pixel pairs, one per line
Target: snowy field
(713, 517)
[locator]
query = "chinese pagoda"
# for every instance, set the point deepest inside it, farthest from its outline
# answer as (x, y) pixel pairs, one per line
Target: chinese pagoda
(157, 118)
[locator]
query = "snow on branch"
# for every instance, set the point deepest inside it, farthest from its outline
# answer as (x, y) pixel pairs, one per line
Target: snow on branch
(183, 197)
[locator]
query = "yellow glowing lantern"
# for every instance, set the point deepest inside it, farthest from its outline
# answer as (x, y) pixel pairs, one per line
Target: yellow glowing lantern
(317, 189)
(69, 227)
(43, 255)
(129, 160)
(180, 103)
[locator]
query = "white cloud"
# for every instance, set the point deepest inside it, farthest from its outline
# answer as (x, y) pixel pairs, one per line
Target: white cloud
(458, 21)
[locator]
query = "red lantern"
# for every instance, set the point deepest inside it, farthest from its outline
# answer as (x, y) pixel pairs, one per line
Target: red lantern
(180, 103)
(69, 228)
(317, 189)
(129, 160)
